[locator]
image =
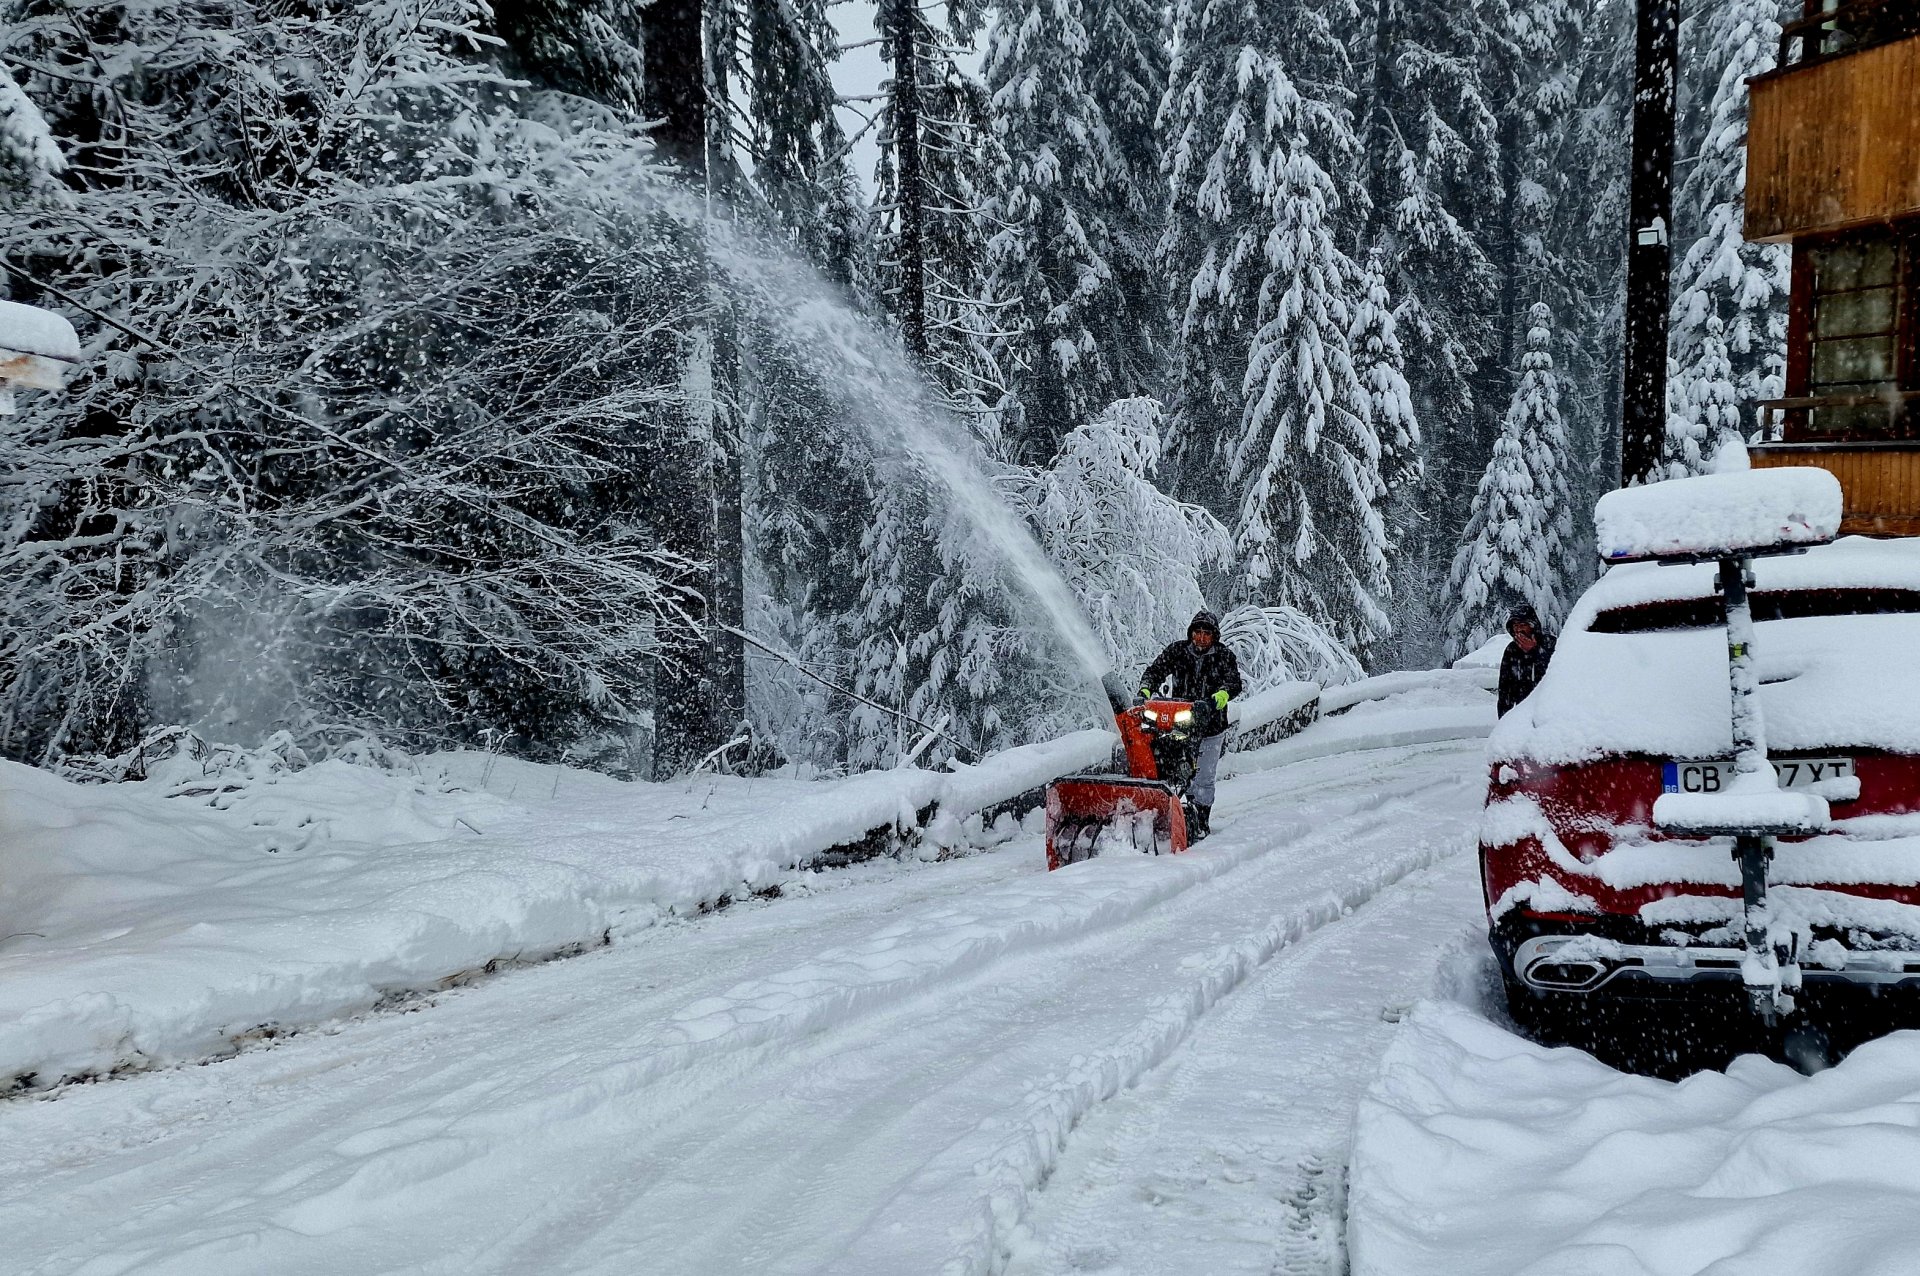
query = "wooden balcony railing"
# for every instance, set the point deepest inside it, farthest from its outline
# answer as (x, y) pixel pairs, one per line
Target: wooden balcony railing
(1879, 478)
(1850, 27)
(1882, 417)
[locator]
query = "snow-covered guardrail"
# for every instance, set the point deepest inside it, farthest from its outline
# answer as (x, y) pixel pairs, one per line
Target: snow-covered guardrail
(1274, 714)
(1014, 781)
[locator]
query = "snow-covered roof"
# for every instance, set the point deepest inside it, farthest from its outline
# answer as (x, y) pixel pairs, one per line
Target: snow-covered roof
(31, 330)
(1717, 513)
(1828, 681)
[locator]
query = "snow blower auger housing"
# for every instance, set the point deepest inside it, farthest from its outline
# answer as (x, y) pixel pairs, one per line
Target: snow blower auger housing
(1143, 808)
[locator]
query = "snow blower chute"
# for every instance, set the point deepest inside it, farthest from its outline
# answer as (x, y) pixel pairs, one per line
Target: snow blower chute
(1143, 808)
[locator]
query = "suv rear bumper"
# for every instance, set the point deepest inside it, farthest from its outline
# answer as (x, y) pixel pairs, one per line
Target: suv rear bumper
(1574, 963)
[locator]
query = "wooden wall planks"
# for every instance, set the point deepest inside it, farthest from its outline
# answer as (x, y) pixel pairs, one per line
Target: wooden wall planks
(1881, 486)
(1835, 144)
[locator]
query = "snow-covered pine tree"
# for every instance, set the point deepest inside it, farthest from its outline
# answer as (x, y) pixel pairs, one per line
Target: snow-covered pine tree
(1707, 407)
(1520, 527)
(1721, 279)
(1275, 425)
(30, 159)
(1127, 66)
(1380, 364)
(1061, 203)
(1419, 538)
(1433, 133)
(1310, 534)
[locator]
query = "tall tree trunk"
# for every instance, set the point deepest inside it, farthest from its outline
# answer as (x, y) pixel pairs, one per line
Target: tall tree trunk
(1379, 123)
(910, 175)
(699, 695)
(1503, 375)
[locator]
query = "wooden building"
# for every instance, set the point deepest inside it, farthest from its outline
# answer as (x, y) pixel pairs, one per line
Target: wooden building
(1833, 167)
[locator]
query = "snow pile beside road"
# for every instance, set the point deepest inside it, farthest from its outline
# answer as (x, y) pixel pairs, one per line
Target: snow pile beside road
(1477, 1151)
(1393, 709)
(161, 920)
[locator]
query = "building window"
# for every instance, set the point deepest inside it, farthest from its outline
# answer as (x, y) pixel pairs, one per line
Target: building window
(1856, 339)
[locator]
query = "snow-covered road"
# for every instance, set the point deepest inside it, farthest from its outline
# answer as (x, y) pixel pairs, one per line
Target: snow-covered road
(1133, 1065)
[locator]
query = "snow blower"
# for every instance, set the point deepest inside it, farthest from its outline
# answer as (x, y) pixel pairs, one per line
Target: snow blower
(1144, 808)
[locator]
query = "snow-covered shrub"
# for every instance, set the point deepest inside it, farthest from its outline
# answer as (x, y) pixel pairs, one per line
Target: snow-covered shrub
(1133, 556)
(379, 453)
(1281, 644)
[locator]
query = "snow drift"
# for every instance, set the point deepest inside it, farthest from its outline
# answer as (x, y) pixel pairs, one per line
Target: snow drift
(161, 920)
(1478, 1151)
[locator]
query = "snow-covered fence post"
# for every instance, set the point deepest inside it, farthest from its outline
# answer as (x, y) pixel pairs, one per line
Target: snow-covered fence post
(1731, 519)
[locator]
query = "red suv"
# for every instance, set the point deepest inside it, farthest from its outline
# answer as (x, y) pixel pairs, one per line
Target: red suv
(1596, 917)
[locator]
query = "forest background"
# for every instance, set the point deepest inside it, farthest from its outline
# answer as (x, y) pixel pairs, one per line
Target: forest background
(551, 377)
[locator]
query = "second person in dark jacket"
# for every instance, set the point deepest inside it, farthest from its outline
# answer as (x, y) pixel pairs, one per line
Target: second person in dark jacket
(1525, 661)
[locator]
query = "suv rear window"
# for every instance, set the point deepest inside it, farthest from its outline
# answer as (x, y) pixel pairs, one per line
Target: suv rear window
(1788, 604)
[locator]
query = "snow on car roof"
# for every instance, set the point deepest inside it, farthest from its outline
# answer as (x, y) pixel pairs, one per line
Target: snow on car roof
(1845, 681)
(1852, 562)
(31, 330)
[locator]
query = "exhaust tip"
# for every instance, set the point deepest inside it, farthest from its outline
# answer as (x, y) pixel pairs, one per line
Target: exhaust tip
(1564, 976)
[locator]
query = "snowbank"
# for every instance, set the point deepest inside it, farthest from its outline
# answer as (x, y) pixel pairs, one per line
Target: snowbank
(1486, 656)
(1456, 681)
(1477, 1151)
(160, 920)
(1719, 513)
(1381, 713)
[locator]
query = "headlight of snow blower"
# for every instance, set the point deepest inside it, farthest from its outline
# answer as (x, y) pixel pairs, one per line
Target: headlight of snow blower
(1184, 718)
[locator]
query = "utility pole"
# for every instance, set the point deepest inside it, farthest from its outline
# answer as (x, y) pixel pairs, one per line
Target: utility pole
(1643, 413)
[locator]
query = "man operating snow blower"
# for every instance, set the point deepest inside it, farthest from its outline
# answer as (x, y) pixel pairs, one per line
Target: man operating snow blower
(1202, 669)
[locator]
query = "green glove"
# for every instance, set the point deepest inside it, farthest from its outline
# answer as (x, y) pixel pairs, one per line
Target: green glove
(1146, 694)
(1220, 701)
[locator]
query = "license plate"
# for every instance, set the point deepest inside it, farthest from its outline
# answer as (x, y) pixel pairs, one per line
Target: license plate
(1795, 773)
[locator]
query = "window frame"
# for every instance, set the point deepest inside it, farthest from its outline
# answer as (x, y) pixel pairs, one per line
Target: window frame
(1903, 419)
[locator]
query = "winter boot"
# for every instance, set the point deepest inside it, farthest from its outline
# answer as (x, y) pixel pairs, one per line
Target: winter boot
(1200, 822)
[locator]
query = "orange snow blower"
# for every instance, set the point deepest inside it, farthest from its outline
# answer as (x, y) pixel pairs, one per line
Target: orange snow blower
(1143, 809)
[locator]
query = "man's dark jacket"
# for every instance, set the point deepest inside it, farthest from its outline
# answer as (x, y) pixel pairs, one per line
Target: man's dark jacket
(1521, 671)
(1196, 674)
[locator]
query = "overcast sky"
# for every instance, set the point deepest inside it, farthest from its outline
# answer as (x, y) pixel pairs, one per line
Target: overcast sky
(859, 72)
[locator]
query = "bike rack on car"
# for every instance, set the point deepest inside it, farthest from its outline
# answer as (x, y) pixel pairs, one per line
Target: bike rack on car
(1731, 519)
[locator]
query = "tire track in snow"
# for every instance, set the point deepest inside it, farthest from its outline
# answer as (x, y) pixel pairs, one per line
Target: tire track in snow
(1022, 1158)
(1231, 1157)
